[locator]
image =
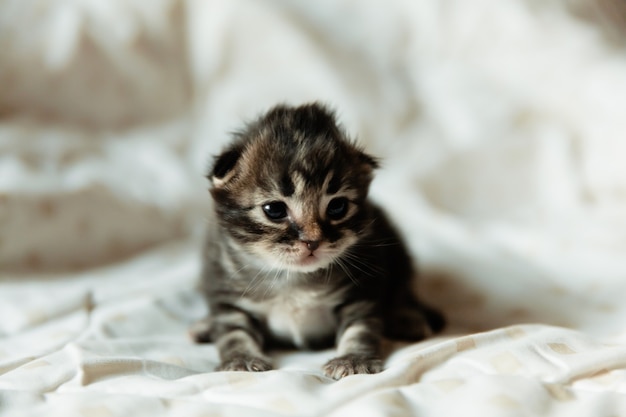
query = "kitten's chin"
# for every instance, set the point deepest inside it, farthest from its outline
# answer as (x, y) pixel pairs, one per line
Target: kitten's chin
(309, 263)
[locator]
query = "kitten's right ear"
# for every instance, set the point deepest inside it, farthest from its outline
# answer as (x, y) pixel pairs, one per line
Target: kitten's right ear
(223, 166)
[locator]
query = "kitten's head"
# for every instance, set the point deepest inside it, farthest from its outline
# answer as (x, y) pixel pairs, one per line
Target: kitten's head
(291, 189)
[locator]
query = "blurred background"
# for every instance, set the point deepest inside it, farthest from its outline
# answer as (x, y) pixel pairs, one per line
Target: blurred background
(501, 125)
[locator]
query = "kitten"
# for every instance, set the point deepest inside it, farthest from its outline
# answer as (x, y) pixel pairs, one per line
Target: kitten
(297, 255)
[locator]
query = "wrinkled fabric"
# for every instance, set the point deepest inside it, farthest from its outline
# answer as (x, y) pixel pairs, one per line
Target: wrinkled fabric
(500, 130)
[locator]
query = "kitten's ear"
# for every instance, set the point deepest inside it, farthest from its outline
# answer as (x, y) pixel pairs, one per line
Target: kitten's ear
(369, 161)
(223, 166)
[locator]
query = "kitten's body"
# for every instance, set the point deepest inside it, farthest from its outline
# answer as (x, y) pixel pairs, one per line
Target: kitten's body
(298, 256)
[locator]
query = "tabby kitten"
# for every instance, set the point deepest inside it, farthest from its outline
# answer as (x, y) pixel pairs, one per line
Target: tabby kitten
(297, 255)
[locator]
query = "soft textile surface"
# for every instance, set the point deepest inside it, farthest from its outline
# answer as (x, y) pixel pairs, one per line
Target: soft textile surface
(501, 126)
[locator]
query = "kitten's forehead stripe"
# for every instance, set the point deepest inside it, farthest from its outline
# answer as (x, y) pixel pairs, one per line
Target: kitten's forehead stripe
(334, 184)
(287, 186)
(299, 181)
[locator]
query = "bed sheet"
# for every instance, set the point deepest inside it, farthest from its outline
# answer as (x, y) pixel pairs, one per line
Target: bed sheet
(501, 132)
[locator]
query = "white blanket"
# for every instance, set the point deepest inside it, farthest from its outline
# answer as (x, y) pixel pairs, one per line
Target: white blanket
(501, 127)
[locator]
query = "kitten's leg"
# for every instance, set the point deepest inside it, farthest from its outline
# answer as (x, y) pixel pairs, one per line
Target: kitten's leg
(239, 342)
(412, 320)
(359, 346)
(200, 331)
(436, 320)
(240, 352)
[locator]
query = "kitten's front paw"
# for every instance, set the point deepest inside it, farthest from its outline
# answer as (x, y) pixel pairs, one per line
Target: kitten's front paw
(246, 363)
(351, 364)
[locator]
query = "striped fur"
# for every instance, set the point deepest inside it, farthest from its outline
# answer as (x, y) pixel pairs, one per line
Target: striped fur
(297, 255)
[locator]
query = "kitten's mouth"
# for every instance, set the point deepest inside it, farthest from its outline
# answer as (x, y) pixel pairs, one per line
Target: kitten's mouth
(309, 262)
(300, 260)
(309, 259)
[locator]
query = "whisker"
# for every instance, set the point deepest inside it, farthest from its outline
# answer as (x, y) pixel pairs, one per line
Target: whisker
(381, 242)
(373, 244)
(272, 285)
(254, 284)
(356, 261)
(329, 272)
(358, 265)
(346, 270)
(365, 228)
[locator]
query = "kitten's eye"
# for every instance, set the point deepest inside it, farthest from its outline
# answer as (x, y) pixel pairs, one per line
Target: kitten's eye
(337, 208)
(276, 210)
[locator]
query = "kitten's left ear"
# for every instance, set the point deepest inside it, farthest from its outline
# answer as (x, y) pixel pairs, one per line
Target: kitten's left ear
(223, 166)
(369, 161)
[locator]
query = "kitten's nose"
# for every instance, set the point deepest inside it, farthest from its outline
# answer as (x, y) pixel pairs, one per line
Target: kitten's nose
(312, 244)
